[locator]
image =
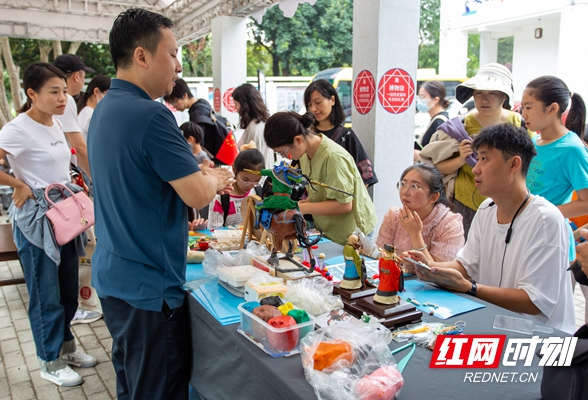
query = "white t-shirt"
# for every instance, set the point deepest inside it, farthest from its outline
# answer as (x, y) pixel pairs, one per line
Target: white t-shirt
(254, 132)
(536, 258)
(38, 154)
(216, 213)
(84, 119)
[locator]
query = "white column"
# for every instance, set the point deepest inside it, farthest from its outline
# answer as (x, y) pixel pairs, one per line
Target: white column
(488, 49)
(385, 37)
(571, 56)
(229, 57)
(453, 43)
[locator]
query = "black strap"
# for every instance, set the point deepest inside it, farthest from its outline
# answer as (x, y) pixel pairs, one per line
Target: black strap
(338, 132)
(225, 202)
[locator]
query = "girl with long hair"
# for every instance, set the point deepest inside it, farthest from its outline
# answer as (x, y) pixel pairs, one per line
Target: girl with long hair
(253, 115)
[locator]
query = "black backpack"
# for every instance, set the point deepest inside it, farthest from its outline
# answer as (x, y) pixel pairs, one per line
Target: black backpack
(216, 127)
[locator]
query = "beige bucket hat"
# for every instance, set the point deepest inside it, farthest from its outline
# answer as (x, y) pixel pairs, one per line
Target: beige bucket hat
(490, 77)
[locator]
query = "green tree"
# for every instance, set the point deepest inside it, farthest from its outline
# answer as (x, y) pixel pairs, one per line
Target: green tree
(197, 57)
(473, 54)
(505, 50)
(94, 55)
(315, 38)
(258, 58)
(429, 34)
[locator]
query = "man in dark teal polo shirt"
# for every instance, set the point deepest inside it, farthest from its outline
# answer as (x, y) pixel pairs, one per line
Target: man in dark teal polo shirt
(144, 175)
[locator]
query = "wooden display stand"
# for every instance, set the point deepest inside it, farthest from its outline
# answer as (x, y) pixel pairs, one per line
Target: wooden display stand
(393, 314)
(358, 301)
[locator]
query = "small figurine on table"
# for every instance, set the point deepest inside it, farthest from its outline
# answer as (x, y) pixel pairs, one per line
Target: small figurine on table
(391, 277)
(355, 271)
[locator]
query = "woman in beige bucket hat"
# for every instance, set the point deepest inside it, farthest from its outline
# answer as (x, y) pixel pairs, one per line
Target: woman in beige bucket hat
(492, 90)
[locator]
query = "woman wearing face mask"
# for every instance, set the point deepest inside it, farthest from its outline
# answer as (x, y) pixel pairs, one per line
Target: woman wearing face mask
(431, 100)
(88, 100)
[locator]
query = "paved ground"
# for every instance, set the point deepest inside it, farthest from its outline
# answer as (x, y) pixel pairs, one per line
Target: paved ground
(19, 369)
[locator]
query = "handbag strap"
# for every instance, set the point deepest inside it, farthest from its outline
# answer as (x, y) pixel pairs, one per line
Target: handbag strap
(56, 186)
(81, 206)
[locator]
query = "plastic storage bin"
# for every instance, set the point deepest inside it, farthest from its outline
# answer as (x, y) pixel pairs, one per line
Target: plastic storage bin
(236, 276)
(277, 342)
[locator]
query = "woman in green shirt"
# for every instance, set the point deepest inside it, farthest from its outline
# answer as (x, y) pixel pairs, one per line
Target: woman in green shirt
(336, 213)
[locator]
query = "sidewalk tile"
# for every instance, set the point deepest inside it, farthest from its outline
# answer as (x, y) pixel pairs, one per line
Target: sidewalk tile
(17, 374)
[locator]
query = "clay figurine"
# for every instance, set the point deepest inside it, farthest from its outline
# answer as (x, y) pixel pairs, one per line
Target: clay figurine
(355, 271)
(391, 277)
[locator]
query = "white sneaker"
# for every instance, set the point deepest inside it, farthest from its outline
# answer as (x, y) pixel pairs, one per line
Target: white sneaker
(63, 377)
(85, 317)
(79, 359)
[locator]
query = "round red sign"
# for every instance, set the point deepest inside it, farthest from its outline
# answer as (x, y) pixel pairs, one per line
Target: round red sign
(364, 92)
(396, 91)
(217, 99)
(85, 292)
(228, 101)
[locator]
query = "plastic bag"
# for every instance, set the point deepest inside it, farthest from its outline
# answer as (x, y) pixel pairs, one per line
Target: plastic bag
(315, 295)
(214, 259)
(354, 361)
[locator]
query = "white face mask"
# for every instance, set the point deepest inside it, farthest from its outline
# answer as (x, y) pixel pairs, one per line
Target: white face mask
(99, 98)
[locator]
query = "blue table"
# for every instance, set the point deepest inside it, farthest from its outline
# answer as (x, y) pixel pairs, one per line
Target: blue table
(228, 366)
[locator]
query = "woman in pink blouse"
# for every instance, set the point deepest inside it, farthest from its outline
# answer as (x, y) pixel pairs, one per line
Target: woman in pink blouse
(425, 222)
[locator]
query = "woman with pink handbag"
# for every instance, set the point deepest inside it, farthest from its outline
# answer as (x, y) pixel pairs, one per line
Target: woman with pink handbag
(36, 148)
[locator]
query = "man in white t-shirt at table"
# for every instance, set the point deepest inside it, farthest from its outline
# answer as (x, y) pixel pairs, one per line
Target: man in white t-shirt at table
(516, 255)
(75, 71)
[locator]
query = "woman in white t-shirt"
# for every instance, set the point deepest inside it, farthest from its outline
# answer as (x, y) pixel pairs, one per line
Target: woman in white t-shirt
(252, 117)
(37, 150)
(88, 100)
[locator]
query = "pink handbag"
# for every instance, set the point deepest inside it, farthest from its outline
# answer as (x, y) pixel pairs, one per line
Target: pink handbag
(70, 217)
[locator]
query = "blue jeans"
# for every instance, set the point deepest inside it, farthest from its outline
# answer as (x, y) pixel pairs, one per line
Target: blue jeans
(53, 291)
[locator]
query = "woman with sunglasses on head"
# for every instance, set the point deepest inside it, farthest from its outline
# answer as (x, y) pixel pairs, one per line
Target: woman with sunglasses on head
(322, 101)
(35, 146)
(424, 222)
(336, 213)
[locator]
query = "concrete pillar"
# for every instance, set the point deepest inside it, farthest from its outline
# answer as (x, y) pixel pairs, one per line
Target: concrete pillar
(229, 58)
(571, 56)
(453, 43)
(385, 46)
(488, 49)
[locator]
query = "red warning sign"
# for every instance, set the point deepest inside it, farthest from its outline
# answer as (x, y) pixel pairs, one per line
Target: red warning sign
(228, 101)
(364, 92)
(217, 100)
(396, 91)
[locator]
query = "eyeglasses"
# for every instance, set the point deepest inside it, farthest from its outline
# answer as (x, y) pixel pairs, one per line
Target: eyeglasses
(247, 183)
(283, 152)
(401, 186)
(174, 102)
